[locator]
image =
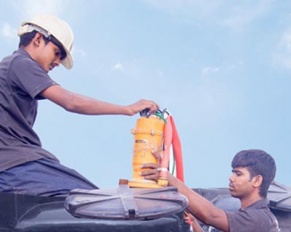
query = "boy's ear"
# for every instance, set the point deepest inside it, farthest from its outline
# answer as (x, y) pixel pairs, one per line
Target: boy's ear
(37, 39)
(258, 180)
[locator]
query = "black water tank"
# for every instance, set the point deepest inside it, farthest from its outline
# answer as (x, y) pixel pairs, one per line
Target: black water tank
(118, 210)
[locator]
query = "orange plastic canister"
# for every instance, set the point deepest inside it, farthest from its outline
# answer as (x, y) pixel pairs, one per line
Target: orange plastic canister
(148, 140)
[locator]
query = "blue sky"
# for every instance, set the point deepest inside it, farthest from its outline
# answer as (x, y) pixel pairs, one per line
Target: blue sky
(222, 68)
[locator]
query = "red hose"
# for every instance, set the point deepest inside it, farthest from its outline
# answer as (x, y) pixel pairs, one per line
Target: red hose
(177, 149)
(168, 138)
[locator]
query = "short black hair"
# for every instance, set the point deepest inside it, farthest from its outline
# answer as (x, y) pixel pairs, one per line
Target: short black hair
(26, 38)
(258, 162)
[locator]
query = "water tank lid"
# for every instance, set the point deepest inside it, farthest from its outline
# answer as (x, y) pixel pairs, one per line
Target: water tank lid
(125, 203)
(279, 197)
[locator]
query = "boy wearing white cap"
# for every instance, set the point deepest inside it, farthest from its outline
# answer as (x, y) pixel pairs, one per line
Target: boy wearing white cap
(25, 167)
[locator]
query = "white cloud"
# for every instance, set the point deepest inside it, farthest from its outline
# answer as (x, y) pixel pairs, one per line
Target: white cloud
(78, 52)
(31, 8)
(191, 10)
(206, 71)
(242, 15)
(160, 73)
(178, 5)
(233, 14)
(282, 55)
(62, 8)
(8, 32)
(118, 66)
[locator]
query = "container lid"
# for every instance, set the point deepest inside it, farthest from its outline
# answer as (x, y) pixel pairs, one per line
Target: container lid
(125, 203)
(279, 197)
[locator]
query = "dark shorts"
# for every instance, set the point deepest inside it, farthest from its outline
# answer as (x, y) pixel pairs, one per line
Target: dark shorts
(42, 177)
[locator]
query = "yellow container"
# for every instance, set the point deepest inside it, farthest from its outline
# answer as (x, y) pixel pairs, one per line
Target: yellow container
(148, 139)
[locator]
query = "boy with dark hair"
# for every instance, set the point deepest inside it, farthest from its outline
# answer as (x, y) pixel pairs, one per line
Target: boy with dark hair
(257, 162)
(25, 167)
(252, 173)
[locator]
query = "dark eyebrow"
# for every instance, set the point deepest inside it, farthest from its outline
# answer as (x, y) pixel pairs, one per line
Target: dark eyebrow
(236, 171)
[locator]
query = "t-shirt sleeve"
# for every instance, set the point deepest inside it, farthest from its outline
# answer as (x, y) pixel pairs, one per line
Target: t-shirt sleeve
(247, 221)
(28, 75)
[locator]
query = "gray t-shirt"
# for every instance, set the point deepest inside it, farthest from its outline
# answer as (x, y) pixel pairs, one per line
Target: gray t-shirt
(21, 81)
(257, 217)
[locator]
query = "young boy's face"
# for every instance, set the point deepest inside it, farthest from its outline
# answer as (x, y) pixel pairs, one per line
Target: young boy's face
(49, 55)
(240, 182)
